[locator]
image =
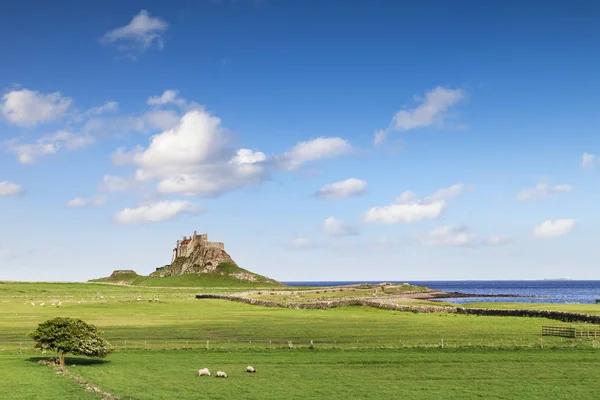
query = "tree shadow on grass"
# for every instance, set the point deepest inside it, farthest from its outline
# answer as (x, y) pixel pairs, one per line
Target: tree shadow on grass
(72, 360)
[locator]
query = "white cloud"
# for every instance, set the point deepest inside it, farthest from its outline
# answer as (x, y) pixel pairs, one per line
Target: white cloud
(337, 227)
(541, 191)
(313, 150)
(156, 212)
(168, 97)
(28, 108)
(159, 119)
(552, 229)
(301, 242)
(380, 136)
(588, 160)
(432, 109)
(149, 121)
(82, 202)
(447, 193)
(345, 188)
(10, 189)
(140, 34)
(108, 107)
(195, 159)
(496, 241)
(407, 208)
(27, 153)
(451, 235)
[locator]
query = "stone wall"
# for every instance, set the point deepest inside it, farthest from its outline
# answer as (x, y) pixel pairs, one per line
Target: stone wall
(555, 315)
(328, 304)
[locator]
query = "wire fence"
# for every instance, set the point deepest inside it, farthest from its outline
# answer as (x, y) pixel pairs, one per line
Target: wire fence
(541, 342)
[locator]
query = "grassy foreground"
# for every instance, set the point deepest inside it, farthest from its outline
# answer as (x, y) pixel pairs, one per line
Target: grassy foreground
(359, 352)
(305, 374)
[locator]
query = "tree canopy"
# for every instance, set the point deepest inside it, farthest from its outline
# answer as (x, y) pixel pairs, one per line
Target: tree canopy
(70, 335)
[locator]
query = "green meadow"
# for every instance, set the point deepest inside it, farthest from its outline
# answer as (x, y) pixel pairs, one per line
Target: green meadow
(164, 335)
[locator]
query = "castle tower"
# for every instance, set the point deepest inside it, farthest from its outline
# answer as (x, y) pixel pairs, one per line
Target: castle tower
(195, 235)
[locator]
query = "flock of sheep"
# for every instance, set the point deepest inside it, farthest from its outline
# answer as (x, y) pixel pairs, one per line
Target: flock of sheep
(221, 374)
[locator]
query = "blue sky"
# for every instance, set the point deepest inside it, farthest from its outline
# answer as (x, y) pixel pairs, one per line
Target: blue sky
(374, 140)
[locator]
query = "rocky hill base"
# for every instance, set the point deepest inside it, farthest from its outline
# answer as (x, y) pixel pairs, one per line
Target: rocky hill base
(222, 275)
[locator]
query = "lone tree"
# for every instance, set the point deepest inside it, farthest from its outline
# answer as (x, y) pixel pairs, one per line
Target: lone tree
(70, 335)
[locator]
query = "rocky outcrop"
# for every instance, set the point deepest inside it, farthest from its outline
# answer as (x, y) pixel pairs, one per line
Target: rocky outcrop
(204, 258)
(210, 258)
(121, 272)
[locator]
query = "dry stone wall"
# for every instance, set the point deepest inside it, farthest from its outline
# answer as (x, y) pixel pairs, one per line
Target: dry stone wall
(555, 315)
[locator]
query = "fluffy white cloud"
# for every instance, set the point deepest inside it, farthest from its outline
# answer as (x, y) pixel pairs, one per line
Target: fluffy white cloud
(345, 188)
(451, 235)
(405, 212)
(552, 229)
(168, 97)
(156, 212)
(496, 241)
(313, 150)
(432, 110)
(337, 227)
(541, 191)
(82, 202)
(140, 34)
(28, 108)
(407, 208)
(195, 159)
(27, 153)
(588, 160)
(10, 189)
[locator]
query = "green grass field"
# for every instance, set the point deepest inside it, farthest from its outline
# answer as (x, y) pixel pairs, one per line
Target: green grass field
(359, 352)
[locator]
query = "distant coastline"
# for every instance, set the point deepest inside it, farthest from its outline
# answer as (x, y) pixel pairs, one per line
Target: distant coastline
(558, 291)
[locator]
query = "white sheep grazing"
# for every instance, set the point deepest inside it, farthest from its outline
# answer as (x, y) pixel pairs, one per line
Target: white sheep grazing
(43, 304)
(203, 372)
(250, 369)
(221, 374)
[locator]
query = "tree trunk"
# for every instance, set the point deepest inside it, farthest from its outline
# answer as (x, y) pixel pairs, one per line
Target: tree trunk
(61, 359)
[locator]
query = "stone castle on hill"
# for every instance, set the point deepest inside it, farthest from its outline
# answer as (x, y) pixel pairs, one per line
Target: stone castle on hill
(186, 246)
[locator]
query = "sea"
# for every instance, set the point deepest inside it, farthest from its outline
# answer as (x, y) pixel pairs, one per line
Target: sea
(543, 291)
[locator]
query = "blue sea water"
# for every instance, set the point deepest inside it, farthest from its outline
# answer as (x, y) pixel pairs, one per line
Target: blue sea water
(546, 291)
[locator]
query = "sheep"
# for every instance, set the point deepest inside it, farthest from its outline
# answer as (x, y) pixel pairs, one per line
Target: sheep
(203, 372)
(250, 369)
(221, 374)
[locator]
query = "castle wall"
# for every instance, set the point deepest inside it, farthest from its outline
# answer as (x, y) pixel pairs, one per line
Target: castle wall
(219, 245)
(186, 248)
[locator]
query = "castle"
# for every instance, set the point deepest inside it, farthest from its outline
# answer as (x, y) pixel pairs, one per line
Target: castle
(186, 246)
